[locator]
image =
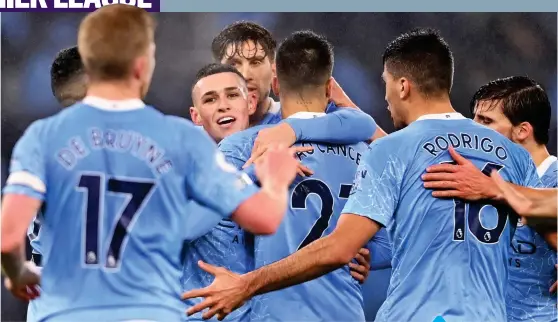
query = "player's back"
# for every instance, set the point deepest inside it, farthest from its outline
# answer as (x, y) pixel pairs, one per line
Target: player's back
(531, 262)
(316, 203)
(113, 221)
(456, 250)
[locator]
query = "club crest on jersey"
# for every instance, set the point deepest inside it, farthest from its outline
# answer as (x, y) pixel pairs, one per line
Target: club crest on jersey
(223, 163)
(242, 181)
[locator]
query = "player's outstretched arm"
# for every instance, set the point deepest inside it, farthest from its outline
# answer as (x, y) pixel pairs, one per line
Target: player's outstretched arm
(460, 180)
(527, 202)
(23, 195)
(228, 291)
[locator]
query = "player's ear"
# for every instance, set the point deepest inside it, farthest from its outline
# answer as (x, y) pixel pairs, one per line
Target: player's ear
(252, 103)
(195, 115)
(522, 131)
(275, 85)
(273, 69)
(140, 67)
(404, 88)
(329, 87)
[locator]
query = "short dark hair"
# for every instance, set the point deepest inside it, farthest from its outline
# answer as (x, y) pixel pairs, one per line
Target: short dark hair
(523, 100)
(215, 68)
(304, 59)
(424, 57)
(238, 33)
(67, 69)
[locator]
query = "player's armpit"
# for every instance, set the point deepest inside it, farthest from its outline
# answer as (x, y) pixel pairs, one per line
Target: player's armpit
(18, 211)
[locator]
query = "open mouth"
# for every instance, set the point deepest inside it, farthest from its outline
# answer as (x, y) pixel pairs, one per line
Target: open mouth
(225, 120)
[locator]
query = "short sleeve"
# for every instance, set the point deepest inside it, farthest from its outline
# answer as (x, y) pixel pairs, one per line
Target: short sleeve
(376, 186)
(28, 165)
(213, 181)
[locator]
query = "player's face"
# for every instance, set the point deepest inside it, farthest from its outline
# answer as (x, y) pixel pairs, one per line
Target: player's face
(222, 105)
(392, 97)
(490, 114)
(253, 63)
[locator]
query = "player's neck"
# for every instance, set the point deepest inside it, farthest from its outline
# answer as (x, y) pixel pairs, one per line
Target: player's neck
(114, 91)
(429, 106)
(538, 152)
(292, 105)
(261, 110)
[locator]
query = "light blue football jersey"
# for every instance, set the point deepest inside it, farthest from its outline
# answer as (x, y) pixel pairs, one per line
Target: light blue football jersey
(315, 205)
(450, 258)
(115, 189)
(229, 246)
(532, 270)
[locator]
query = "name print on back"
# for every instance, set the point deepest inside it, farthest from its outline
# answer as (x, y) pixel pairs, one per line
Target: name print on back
(121, 141)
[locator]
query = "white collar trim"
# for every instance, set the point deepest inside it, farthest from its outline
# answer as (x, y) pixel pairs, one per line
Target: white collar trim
(442, 116)
(112, 105)
(275, 107)
(305, 115)
(543, 167)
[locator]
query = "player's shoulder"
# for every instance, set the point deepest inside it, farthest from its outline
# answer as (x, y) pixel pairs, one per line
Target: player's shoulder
(245, 136)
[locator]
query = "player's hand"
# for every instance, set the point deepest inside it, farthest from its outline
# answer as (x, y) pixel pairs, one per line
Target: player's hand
(463, 180)
(338, 95)
(26, 285)
(277, 168)
(361, 269)
(227, 293)
(554, 286)
(281, 134)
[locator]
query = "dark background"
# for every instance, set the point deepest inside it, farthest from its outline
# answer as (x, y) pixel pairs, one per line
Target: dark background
(485, 47)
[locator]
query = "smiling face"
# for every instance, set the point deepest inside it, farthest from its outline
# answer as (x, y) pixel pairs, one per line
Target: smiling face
(222, 104)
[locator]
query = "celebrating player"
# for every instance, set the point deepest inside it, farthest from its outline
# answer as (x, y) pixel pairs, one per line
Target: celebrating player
(518, 108)
(304, 65)
(250, 48)
(433, 239)
(113, 187)
(69, 84)
(220, 92)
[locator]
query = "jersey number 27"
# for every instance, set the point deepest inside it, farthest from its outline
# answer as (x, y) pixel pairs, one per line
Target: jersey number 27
(318, 187)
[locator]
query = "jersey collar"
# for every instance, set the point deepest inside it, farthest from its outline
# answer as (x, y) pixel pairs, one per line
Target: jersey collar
(543, 167)
(112, 105)
(442, 116)
(305, 115)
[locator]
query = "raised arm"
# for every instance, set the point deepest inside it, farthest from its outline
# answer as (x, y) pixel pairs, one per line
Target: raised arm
(217, 184)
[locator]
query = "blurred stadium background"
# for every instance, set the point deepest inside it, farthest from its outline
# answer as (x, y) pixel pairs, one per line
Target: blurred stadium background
(485, 47)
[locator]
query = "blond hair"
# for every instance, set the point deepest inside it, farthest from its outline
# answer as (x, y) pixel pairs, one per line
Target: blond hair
(111, 38)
